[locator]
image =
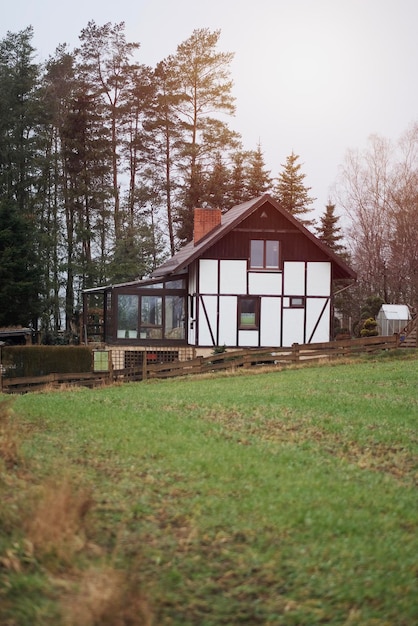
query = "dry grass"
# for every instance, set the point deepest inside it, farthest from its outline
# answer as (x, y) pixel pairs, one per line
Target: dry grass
(58, 517)
(49, 527)
(107, 597)
(9, 436)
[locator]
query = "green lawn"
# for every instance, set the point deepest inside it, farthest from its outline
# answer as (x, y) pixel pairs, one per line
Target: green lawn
(285, 497)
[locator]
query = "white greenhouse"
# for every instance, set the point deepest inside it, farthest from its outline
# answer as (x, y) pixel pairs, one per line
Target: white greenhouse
(392, 318)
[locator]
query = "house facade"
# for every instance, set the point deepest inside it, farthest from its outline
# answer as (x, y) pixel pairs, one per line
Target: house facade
(252, 277)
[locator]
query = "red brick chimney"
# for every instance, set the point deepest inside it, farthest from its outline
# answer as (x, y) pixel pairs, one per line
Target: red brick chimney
(205, 220)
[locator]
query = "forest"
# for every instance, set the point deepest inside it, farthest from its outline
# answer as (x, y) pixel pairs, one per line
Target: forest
(103, 159)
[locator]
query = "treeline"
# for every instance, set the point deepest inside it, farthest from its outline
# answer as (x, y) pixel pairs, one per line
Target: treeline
(102, 161)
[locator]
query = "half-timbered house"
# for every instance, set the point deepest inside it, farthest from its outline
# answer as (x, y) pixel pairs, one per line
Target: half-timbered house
(253, 276)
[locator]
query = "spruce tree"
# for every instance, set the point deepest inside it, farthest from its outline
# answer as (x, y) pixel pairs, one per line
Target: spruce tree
(291, 191)
(20, 148)
(218, 184)
(238, 192)
(258, 178)
(328, 231)
(19, 278)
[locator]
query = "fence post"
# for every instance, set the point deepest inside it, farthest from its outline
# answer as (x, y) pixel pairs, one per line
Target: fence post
(295, 353)
(110, 366)
(144, 365)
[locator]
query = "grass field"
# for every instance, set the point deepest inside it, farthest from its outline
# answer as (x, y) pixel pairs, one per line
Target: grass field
(276, 498)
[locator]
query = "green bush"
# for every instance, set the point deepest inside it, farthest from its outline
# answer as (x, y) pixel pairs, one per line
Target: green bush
(369, 328)
(19, 361)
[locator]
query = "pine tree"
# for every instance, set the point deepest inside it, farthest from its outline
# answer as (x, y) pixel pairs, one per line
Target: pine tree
(105, 67)
(291, 192)
(165, 127)
(204, 91)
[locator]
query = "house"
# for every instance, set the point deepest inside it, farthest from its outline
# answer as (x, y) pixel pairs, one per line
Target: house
(254, 276)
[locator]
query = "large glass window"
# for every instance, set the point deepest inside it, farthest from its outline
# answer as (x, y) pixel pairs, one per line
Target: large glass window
(264, 254)
(127, 317)
(151, 317)
(248, 313)
(174, 317)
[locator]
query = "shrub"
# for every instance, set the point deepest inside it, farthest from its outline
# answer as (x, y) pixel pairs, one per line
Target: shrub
(21, 361)
(369, 328)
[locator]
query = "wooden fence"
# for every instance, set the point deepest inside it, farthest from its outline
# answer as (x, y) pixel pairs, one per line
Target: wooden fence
(229, 360)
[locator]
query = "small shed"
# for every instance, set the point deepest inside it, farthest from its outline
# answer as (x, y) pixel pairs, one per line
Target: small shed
(392, 318)
(15, 335)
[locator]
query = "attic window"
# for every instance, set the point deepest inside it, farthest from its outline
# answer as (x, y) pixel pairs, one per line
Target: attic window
(264, 254)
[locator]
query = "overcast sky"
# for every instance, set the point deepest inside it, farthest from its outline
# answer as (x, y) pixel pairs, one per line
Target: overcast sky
(313, 76)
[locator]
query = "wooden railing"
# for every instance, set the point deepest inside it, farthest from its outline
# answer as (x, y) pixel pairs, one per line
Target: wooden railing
(409, 326)
(229, 360)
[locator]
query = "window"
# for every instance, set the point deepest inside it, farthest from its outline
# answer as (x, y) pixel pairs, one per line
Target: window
(248, 313)
(297, 302)
(264, 254)
(174, 317)
(127, 317)
(151, 317)
(257, 253)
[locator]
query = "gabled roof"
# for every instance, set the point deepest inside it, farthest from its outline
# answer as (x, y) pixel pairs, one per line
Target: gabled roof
(230, 220)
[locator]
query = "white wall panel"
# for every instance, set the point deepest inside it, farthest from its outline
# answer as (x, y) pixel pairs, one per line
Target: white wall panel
(318, 282)
(270, 321)
(210, 303)
(294, 278)
(248, 338)
(233, 277)
(263, 283)
(208, 276)
(227, 320)
(314, 307)
(293, 323)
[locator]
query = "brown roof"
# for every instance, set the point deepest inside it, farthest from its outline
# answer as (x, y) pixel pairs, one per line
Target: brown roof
(230, 220)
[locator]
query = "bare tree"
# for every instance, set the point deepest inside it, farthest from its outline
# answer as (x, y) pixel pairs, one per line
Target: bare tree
(364, 193)
(403, 216)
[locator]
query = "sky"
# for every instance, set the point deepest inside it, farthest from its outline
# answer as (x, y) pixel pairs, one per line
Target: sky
(316, 77)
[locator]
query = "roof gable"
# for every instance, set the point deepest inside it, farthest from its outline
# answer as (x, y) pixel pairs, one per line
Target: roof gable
(232, 219)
